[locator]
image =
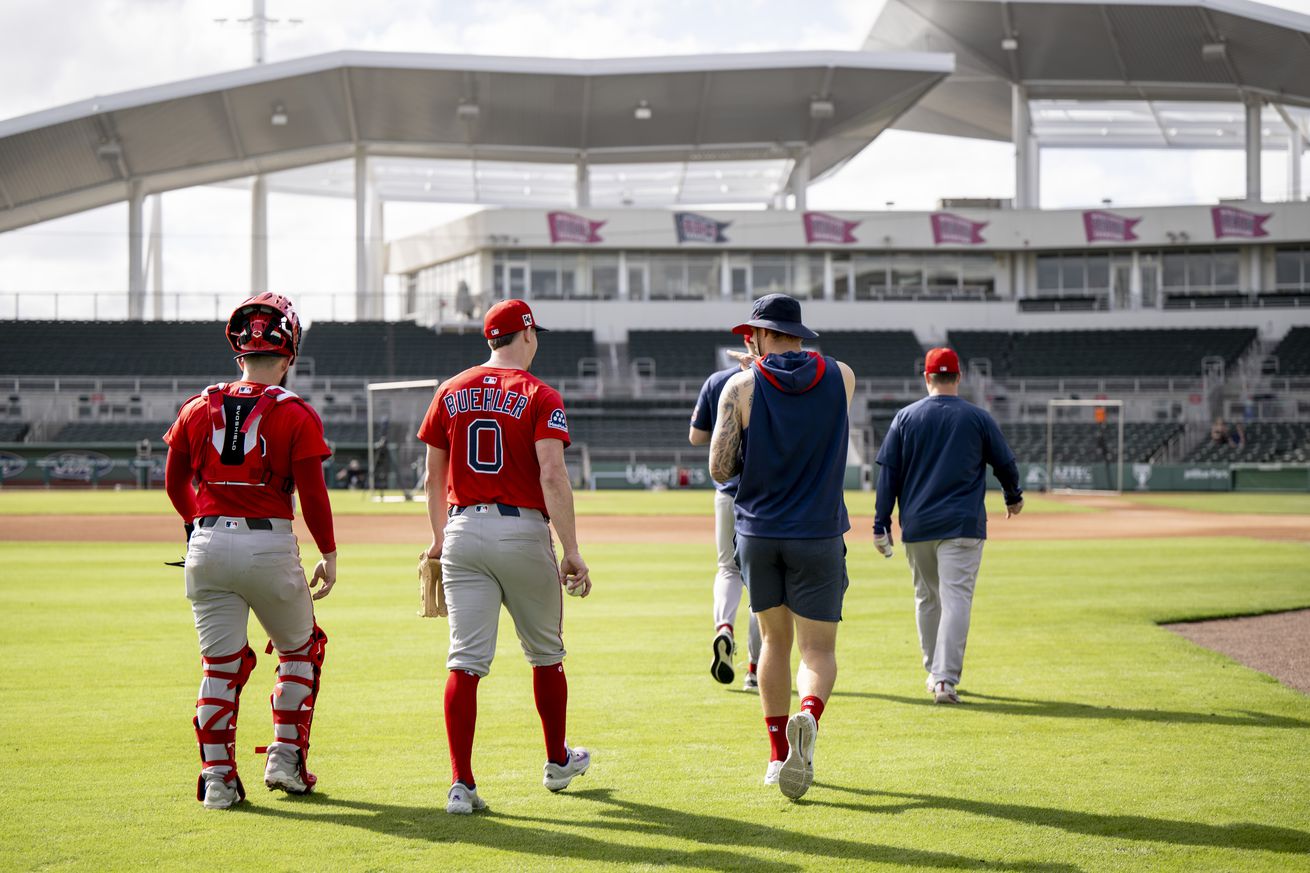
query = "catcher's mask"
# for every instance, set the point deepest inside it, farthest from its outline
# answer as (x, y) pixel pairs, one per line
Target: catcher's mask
(266, 324)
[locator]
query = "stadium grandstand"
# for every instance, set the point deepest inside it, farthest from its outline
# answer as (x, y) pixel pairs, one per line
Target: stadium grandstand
(641, 204)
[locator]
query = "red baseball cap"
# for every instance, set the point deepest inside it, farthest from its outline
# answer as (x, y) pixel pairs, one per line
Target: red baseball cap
(941, 361)
(507, 317)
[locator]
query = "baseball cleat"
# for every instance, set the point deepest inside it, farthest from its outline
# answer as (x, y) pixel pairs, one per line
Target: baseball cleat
(220, 794)
(724, 647)
(283, 773)
(797, 772)
(771, 774)
(944, 692)
(751, 682)
(557, 777)
(462, 800)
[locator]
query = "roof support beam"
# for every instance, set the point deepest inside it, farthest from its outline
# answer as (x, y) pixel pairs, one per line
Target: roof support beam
(258, 235)
(1253, 147)
(349, 93)
(136, 265)
(1027, 157)
(1295, 152)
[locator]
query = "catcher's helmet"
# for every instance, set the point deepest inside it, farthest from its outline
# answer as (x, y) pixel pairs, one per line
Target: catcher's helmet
(266, 324)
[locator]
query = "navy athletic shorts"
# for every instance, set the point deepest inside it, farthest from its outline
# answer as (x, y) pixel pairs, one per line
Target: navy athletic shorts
(806, 576)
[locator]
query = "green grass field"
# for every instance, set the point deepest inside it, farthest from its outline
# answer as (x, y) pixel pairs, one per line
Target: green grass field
(70, 502)
(1091, 739)
(1241, 502)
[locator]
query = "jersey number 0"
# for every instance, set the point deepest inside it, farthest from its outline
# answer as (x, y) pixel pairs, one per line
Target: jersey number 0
(484, 458)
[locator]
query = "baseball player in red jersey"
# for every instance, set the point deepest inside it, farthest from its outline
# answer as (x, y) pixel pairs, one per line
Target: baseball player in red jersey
(250, 445)
(495, 477)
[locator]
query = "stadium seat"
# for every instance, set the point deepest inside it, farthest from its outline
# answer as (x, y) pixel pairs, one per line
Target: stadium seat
(1293, 352)
(115, 348)
(1054, 354)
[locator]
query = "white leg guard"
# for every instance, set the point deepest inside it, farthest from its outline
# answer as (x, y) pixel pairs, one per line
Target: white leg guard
(293, 698)
(216, 716)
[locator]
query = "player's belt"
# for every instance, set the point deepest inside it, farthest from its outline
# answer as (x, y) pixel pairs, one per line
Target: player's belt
(251, 523)
(503, 508)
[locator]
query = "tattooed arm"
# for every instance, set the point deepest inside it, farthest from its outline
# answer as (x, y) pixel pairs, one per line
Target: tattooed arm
(733, 418)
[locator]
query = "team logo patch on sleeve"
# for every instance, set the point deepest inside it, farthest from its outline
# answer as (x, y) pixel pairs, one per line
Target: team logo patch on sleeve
(558, 421)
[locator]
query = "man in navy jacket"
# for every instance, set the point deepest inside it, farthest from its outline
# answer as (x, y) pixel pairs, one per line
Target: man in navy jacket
(934, 463)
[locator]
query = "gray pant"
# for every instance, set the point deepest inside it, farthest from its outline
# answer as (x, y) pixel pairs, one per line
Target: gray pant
(489, 559)
(231, 570)
(944, 575)
(727, 578)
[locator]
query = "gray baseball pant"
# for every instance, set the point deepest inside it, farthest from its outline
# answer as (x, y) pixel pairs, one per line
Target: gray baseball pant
(727, 579)
(489, 559)
(944, 575)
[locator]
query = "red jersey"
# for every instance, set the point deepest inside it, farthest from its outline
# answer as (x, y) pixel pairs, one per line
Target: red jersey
(489, 419)
(287, 432)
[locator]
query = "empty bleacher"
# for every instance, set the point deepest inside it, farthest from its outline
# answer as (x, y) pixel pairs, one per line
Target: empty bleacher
(693, 354)
(12, 431)
(1086, 443)
(403, 350)
(1101, 353)
(1261, 442)
(661, 431)
(112, 432)
(114, 348)
(1293, 352)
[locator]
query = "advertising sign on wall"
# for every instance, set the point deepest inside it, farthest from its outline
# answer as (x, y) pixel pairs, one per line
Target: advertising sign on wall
(820, 227)
(1101, 226)
(1231, 221)
(565, 227)
(693, 228)
(951, 229)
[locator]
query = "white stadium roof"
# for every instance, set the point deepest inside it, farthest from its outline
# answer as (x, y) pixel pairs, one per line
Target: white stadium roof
(1158, 54)
(680, 111)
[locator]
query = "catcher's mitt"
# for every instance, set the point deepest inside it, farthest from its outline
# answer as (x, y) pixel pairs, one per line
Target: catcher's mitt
(432, 594)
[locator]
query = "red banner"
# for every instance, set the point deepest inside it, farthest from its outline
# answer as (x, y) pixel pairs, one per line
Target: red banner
(820, 227)
(1231, 221)
(951, 229)
(1108, 227)
(565, 227)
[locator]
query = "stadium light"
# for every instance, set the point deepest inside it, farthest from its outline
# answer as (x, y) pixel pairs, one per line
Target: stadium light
(643, 111)
(110, 149)
(822, 108)
(468, 112)
(1215, 52)
(1010, 44)
(279, 118)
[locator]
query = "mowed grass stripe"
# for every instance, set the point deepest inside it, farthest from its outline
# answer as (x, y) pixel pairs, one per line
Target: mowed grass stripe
(1092, 739)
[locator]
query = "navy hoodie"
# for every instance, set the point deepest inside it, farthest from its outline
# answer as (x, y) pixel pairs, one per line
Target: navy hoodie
(794, 451)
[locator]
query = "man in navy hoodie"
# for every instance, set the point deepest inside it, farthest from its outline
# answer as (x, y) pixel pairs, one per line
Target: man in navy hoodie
(783, 425)
(934, 462)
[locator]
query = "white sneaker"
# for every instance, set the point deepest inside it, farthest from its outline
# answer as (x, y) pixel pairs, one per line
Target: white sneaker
(220, 794)
(724, 647)
(944, 692)
(462, 800)
(282, 773)
(557, 777)
(771, 774)
(929, 684)
(797, 772)
(751, 682)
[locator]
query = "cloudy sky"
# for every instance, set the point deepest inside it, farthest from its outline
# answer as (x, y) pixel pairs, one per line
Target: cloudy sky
(57, 51)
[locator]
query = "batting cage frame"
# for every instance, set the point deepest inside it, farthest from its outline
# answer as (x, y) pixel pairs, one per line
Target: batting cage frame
(371, 412)
(1051, 407)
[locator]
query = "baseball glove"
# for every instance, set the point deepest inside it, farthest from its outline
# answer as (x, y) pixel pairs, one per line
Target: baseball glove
(432, 594)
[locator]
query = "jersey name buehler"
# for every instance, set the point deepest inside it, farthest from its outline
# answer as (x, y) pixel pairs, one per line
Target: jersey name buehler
(510, 403)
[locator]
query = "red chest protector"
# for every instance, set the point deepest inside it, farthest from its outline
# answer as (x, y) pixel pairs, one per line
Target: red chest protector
(239, 455)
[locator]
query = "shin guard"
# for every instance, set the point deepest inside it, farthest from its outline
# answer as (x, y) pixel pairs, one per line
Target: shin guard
(298, 674)
(216, 715)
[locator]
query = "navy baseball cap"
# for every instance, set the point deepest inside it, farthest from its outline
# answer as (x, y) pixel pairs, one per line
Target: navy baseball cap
(777, 312)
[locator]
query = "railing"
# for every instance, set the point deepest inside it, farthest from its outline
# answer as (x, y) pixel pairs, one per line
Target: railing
(178, 306)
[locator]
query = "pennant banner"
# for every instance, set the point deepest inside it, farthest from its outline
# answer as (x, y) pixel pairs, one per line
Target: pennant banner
(1107, 227)
(565, 227)
(821, 227)
(699, 229)
(951, 229)
(1231, 221)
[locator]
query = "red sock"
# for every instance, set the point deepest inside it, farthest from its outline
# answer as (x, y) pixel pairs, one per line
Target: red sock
(777, 728)
(550, 688)
(812, 705)
(722, 626)
(752, 669)
(461, 717)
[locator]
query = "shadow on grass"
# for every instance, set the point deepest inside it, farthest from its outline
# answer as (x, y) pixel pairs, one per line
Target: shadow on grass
(1066, 709)
(1239, 835)
(727, 842)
